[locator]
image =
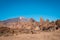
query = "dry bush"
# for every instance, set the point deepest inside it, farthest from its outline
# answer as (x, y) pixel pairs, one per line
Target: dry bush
(58, 23)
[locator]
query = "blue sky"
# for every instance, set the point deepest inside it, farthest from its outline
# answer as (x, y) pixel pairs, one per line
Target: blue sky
(47, 9)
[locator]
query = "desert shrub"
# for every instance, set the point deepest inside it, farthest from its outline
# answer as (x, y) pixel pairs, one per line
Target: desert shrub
(58, 23)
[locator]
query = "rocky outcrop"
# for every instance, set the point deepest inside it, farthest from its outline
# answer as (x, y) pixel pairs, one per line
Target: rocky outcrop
(47, 25)
(41, 21)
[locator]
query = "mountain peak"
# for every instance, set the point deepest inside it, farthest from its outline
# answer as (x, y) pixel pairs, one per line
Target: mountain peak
(21, 18)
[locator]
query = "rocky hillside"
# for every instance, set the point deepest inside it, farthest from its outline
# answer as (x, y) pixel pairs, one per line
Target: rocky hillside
(24, 25)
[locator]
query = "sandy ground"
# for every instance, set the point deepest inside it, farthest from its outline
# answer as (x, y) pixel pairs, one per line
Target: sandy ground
(42, 36)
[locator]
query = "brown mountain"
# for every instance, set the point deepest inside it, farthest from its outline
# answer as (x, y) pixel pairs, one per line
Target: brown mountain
(29, 25)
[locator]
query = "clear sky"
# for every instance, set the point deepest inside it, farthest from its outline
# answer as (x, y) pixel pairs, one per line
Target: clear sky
(47, 9)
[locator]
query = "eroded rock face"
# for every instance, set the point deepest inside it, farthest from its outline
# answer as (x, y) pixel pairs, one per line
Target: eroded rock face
(42, 21)
(48, 25)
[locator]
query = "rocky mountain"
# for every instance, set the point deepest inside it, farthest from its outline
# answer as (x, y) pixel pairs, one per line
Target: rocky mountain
(18, 22)
(29, 25)
(19, 19)
(15, 19)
